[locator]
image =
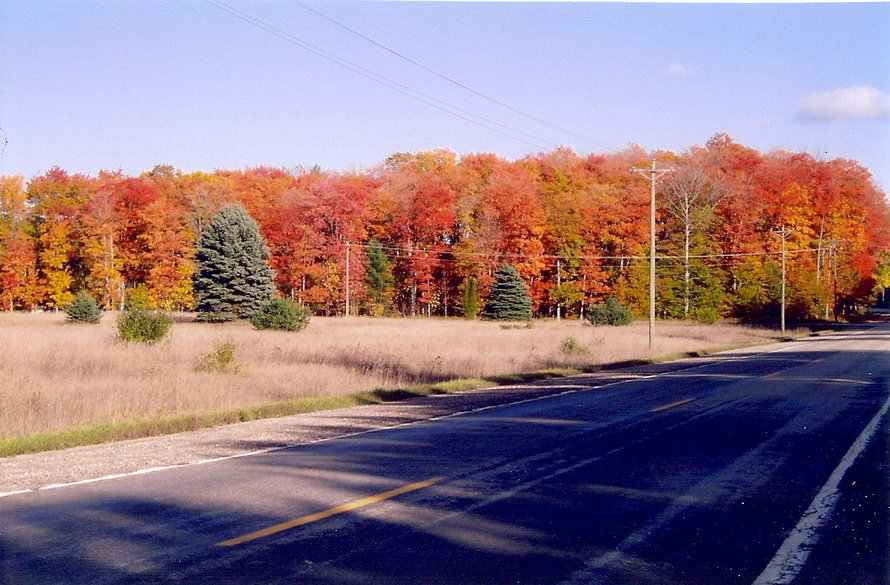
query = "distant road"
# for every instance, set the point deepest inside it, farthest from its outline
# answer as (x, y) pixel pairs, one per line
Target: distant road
(752, 468)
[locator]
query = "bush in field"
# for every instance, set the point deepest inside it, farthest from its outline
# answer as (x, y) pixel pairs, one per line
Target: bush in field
(571, 346)
(143, 326)
(84, 309)
(220, 360)
(612, 312)
(509, 300)
(281, 313)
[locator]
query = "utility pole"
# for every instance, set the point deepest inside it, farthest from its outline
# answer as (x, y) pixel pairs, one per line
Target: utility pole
(835, 248)
(654, 173)
(783, 233)
(558, 286)
(348, 249)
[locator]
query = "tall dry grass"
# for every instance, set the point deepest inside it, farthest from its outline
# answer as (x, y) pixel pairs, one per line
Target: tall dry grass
(56, 375)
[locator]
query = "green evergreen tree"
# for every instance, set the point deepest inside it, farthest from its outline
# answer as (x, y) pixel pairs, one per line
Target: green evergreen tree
(379, 278)
(233, 278)
(84, 309)
(471, 298)
(509, 300)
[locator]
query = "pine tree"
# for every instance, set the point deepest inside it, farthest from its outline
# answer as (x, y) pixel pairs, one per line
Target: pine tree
(233, 278)
(509, 300)
(84, 309)
(471, 298)
(379, 279)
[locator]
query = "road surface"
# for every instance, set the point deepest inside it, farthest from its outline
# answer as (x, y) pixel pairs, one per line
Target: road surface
(763, 466)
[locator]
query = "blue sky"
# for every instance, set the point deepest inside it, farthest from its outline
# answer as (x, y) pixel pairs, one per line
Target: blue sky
(102, 84)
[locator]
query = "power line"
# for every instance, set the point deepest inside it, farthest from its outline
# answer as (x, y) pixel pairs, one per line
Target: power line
(455, 82)
(434, 102)
(489, 255)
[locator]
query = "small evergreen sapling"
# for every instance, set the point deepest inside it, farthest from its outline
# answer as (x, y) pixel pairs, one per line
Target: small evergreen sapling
(83, 309)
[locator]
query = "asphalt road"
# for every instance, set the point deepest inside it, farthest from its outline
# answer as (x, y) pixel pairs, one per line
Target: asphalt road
(767, 466)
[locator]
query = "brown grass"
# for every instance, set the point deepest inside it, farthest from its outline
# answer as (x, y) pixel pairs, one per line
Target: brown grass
(56, 375)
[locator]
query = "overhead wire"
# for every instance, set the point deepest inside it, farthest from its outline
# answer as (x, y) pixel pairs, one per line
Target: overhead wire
(453, 252)
(463, 86)
(482, 121)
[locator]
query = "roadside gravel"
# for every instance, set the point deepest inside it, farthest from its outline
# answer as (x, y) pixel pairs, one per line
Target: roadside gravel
(80, 464)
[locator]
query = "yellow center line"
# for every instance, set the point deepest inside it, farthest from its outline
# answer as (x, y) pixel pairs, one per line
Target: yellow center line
(771, 376)
(330, 512)
(672, 405)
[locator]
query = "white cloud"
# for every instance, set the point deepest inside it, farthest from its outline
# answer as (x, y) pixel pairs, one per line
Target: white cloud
(854, 103)
(677, 69)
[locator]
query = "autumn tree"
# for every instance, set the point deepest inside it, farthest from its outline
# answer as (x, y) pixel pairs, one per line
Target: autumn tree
(168, 244)
(18, 261)
(233, 278)
(690, 197)
(57, 201)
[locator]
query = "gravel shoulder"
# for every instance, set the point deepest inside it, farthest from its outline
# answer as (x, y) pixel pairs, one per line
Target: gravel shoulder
(82, 464)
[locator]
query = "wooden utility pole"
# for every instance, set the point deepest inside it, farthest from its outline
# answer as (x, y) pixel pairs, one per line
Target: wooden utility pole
(654, 173)
(783, 233)
(348, 250)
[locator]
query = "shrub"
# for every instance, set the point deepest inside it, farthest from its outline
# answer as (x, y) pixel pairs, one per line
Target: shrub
(283, 314)
(612, 312)
(571, 346)
(84, 309)
(143, 326)
(221, 359)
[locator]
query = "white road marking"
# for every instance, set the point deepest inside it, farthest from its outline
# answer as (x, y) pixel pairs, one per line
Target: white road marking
(572, 389)
(792, 555)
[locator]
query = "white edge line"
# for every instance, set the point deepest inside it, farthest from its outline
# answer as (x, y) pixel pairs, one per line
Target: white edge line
(364, 432)
(313, 442)
(15, 493)
(792, 555)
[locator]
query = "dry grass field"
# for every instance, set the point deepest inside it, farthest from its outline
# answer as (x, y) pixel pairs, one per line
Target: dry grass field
(56, 375)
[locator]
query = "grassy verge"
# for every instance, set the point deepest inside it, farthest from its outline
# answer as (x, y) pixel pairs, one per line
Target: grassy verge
(165, 425)
(170, 424)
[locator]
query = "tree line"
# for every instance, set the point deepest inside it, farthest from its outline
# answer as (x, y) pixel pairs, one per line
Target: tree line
(424, 233)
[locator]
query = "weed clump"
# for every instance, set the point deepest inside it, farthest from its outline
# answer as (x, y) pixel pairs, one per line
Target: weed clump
(571, 346)
(83, 309)
(221, 360)
(280, 313)
(143, 326)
